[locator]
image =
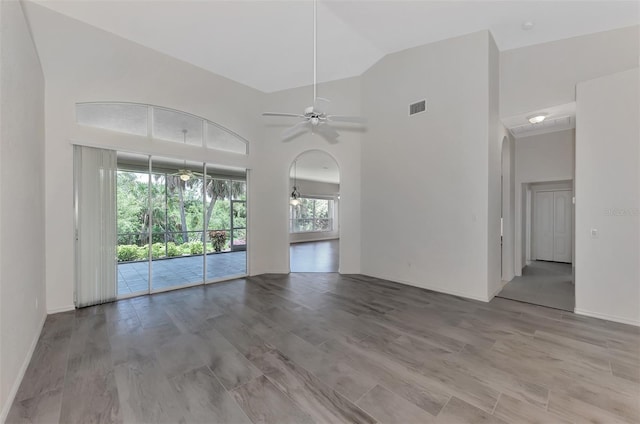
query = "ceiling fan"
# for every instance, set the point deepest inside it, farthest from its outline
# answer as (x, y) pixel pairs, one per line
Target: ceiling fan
(315, 118)
(186, 174)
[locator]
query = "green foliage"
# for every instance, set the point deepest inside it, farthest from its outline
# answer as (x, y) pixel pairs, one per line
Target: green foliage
(157, 250)
(179, 211)
(193, 248)
(311, 215)
(131, 252)
(127, 253)
(173, 250)
(218, 239)
(221, 215)
(143, 252)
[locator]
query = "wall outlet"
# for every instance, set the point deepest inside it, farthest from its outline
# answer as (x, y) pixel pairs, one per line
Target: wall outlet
(594, 233)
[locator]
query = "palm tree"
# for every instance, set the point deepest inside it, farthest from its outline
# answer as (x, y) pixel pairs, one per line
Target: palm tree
(174, 182)
(221, 189)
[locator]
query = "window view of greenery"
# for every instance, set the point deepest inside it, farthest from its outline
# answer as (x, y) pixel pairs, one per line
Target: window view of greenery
(311, 215)
(177, 216)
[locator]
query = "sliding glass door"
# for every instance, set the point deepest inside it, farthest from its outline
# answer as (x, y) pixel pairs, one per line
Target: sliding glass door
(226, 226)
(133, 224)
(180, 223)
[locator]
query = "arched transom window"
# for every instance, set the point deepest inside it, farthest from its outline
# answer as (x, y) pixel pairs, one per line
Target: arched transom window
(159, 123)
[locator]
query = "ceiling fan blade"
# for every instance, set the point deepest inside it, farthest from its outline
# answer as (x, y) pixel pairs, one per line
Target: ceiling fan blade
(343, 118)
(297, 129)
(290, 115)
(320, 104)
(326, 131)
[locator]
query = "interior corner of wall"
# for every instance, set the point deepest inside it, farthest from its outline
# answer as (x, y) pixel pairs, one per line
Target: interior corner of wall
(23, 369)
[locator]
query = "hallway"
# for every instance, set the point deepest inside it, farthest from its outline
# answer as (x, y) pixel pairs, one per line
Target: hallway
(543, 283)
(315, 256)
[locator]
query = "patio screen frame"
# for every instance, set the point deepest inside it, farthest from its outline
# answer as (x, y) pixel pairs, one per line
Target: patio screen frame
(215, 173)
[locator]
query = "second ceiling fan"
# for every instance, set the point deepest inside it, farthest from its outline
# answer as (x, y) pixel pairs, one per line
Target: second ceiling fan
(315, 119)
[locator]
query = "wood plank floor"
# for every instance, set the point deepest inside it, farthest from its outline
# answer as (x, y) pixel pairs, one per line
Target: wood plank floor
(328, 348)
(315, 256)
(543, 283)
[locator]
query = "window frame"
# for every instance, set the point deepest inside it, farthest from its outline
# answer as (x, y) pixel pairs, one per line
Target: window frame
(330, 206)
(151, 123)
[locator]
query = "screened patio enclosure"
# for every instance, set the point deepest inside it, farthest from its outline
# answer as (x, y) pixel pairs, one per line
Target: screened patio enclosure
(179, 223)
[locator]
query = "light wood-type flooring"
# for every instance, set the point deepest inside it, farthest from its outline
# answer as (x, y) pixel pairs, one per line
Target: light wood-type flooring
(315, 256)
(328, 348)
(545, 284)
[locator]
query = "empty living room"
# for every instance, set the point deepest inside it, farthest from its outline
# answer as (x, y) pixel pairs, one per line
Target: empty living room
(319, 211)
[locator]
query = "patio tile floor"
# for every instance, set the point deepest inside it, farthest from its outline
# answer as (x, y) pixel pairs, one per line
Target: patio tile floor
(133, 277)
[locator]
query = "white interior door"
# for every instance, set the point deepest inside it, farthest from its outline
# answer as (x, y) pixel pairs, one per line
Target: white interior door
(562, 226)
(552, 226)
(543, 223)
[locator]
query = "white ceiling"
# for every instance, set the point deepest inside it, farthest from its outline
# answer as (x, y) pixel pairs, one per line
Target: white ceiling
(557, 118)
(315, 165)
(235, 38)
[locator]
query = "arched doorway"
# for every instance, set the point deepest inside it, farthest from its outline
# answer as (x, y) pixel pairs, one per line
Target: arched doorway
(314, 204)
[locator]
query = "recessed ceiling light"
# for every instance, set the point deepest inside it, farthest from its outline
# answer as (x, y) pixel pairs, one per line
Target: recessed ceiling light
(537, 118)
(528, 25)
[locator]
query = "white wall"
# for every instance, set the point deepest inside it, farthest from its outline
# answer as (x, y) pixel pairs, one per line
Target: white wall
(424, 222)
(82, 63)
(275, 159)
(608, 197)
(543, 75)
(445, 163)
(539, 158)
(323, 189)
(495, 137)
(545, 157)
(22, 230)
(508, 207)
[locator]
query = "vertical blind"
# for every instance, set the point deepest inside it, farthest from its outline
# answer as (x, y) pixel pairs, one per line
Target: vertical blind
(95, 172)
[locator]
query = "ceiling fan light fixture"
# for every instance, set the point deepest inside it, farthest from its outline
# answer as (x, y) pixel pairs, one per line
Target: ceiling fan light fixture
(295, 194)
(295, 197)
(184, 174)
(537, 118)
(315, 117)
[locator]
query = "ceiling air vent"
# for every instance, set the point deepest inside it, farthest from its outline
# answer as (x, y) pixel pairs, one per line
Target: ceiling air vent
(417, 107)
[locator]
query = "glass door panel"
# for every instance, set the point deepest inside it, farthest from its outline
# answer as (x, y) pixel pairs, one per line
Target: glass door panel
(238, 225)
(178, 224)
(226, 217)
(218, 216)
(175, 221)
(133, 225)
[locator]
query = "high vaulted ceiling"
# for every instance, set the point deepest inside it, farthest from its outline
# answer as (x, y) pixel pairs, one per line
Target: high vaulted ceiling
(268, 45)
(315, 165)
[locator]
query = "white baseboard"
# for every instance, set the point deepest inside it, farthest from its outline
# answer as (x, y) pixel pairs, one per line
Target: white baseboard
(60, 309)
(499, 289)
(439, 289)
(23, 369)
(607, 317)
(270, 271)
